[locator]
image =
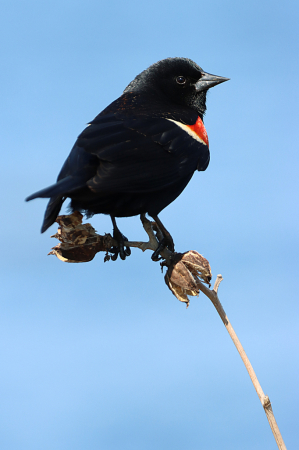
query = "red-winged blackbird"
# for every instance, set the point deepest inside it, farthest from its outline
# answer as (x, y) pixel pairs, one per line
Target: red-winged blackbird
(139, 154)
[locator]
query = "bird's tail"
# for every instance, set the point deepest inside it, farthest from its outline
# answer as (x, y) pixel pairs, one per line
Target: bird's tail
(57, 193)
(52, 212)
(62, 187)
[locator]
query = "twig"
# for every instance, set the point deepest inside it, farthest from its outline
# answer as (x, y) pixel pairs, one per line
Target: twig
(212, 294)
(80, 242)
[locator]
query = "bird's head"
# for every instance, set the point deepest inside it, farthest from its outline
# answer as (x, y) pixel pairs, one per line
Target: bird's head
(180, 80)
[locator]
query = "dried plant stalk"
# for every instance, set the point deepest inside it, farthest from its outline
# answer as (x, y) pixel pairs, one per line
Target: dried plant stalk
(212, 294)
(185, 276)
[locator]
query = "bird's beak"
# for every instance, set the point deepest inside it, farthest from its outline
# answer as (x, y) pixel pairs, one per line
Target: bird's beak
(208, 80)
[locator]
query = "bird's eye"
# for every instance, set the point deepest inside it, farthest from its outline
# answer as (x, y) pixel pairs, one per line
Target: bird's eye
(181, 80)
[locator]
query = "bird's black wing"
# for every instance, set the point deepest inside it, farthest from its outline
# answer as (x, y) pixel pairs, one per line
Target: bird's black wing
(118, 155)
(141, 154)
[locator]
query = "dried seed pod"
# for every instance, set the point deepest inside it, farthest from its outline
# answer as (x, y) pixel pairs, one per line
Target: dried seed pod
(79, 243)
(184, 273)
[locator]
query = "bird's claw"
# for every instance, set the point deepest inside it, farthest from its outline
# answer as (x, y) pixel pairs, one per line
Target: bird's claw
(120, 250)
(166, 242)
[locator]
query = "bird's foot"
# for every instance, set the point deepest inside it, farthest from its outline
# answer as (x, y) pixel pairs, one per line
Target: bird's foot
(120, 250)
(164, 238)
(166, 242)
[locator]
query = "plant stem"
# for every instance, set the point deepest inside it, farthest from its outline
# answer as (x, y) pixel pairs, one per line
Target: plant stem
(212, 294)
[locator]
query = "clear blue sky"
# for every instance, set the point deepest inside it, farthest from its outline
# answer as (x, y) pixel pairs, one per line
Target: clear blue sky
(102, 356)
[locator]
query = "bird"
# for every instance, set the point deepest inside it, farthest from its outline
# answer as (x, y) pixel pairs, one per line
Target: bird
(138, 155)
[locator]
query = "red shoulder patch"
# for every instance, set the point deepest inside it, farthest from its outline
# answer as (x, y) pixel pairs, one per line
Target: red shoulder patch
(199, 129)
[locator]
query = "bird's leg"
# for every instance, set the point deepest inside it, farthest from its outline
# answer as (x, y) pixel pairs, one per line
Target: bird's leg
(120, 238)
(167, 240)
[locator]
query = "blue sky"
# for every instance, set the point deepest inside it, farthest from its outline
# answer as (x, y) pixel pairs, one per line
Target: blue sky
(102, 356)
